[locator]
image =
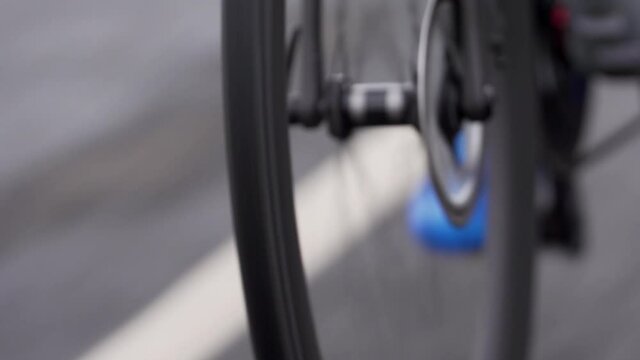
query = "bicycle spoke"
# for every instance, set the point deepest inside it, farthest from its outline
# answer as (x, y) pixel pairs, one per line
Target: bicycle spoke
(339, 57)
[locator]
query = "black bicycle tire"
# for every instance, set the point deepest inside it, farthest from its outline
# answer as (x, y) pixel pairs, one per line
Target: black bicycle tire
(279, 312)
(277, 302)
(513, 148)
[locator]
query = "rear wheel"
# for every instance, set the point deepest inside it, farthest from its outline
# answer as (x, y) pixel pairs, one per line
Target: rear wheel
(276, 293)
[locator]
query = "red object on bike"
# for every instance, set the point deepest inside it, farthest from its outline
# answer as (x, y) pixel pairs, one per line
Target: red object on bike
(560, 17)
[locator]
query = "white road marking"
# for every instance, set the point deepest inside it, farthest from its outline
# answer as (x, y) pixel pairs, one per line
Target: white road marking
(202, 314)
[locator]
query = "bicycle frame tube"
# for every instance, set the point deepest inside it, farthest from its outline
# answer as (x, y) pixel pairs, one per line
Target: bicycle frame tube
(312, 65)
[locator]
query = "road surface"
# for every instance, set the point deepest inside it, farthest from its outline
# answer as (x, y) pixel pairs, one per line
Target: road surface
(113, 190)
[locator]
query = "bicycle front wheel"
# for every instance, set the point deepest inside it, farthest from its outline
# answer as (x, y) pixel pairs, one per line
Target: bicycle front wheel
(275, 288)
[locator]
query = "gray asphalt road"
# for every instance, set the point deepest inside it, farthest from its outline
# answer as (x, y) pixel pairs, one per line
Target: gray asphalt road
(112, 184)
(113, 177)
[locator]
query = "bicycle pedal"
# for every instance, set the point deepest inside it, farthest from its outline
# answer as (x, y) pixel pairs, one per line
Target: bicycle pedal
(429, 224)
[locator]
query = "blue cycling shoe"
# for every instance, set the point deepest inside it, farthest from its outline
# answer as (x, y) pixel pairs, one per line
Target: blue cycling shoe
(429, 224)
